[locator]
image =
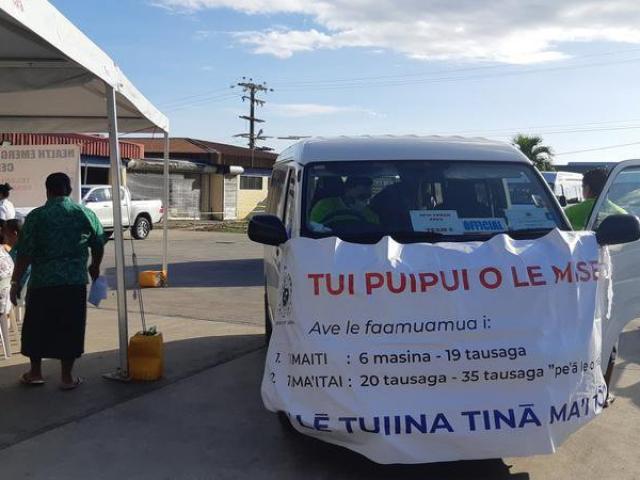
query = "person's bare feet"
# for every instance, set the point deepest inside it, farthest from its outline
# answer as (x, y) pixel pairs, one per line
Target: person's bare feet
(73, 384)
(29, 378)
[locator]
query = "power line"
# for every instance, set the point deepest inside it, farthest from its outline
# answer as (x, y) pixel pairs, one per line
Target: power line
(195, 95)
(359, 82)
(539, 131)
(444, 71)
(220, 98)
(540, 127)
(597, 149)
(458, 78)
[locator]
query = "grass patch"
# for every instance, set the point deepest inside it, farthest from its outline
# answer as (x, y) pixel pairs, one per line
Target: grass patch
(239, 226)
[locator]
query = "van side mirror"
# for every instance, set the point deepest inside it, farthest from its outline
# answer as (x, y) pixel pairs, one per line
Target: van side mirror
(563, 201)
(267, 229)
(616, 229)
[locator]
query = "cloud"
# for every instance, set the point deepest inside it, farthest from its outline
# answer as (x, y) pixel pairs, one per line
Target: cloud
(297, 110)
(284, 43)
(508, 31)
(201, 34)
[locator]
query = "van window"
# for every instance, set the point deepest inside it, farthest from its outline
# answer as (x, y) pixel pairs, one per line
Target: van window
(290, 205)
(623, 197)
(425, 199)
(276, 188)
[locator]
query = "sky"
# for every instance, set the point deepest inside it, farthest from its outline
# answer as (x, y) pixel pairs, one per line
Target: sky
(566, 70)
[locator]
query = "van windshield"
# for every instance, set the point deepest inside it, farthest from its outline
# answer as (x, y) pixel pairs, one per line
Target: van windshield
(425, 200)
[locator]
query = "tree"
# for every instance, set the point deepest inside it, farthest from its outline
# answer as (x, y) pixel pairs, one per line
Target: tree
(532, 148)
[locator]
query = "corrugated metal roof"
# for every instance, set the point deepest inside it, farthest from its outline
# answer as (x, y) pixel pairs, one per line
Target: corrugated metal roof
(89, 144)
(217, 153)
(178, 145)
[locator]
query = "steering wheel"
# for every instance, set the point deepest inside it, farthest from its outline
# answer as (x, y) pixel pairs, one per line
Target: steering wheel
(343, 212)
(351, 220)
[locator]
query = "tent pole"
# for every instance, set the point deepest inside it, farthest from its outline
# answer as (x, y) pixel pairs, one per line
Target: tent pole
(114, 148)
(165, 214)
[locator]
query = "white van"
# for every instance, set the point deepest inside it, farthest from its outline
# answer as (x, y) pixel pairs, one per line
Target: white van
(364, 188)
(567, 186)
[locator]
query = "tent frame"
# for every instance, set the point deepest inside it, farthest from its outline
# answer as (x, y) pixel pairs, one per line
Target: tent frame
(122, 372)
(55, 79)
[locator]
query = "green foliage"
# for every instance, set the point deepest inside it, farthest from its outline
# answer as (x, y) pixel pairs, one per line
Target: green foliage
(149, 332)
(532, 148)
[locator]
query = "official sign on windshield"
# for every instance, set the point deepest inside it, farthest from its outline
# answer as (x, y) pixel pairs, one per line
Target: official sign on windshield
(435, 352)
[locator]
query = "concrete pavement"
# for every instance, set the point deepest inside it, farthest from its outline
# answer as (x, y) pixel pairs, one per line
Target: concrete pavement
(201, 326)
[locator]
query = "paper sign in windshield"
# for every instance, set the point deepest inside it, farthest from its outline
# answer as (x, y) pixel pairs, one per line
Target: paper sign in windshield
(483, 225)
(436, 221)
(529, 217)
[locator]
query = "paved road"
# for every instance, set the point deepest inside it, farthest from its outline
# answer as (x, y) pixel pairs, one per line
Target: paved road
(213, 276)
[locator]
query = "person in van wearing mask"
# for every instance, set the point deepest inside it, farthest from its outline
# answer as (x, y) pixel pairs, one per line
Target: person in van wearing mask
(592, 184)
(350, 207)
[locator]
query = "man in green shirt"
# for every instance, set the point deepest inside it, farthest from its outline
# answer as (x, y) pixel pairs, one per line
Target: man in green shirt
(592, 184)
(350, 207)
(55, 241)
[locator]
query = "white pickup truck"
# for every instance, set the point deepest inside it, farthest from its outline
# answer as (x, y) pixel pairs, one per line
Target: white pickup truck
(138, 215)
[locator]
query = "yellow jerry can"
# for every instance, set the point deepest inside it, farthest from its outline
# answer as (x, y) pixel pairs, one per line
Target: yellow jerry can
(151, 279)
(146, 357)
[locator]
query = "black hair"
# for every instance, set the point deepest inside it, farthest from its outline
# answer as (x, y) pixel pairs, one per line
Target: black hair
(58, 184)
(595, 180)
(14, 225)
(5, 188)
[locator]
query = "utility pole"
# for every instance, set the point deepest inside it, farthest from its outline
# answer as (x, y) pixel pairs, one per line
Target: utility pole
(250, 91)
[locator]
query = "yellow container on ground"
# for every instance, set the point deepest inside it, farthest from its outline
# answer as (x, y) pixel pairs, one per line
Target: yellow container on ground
(151, 279)
(146, 357)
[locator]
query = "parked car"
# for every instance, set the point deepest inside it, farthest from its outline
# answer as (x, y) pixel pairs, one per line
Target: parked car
(137, 215)
(567, 186)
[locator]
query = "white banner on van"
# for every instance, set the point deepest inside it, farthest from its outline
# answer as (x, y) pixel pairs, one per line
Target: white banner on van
(424, 353)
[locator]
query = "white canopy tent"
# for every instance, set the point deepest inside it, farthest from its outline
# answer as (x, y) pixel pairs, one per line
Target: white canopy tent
(55, 79)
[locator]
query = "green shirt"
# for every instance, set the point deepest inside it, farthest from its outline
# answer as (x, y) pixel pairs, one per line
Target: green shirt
(579, 214)
(57, 237)
(326, 207)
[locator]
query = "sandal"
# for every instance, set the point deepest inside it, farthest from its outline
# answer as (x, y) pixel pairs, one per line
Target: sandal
(26, 379)
(610, 399)
(72, 386)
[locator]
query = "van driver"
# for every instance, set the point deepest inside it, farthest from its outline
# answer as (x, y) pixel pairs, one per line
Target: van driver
(349, 208)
